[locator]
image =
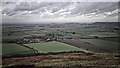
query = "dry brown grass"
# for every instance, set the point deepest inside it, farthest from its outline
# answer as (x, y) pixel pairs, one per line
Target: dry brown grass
(66, 60)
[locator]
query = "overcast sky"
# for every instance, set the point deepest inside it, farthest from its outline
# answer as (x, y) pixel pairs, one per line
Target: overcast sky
(59, 12)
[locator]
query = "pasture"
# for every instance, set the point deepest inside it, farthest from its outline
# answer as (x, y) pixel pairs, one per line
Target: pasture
(105, 34)
(98, 34)
(53, 47)
(14, 49)
(117, 39)
(105, 44)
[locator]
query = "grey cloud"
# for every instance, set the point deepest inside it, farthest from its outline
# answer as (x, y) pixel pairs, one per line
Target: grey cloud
(90, 7)
(83, 8)
(60, 9)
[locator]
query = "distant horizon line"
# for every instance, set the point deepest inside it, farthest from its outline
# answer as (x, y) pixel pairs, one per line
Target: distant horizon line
(53, 22)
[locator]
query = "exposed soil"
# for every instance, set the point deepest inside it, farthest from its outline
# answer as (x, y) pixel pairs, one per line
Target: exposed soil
(83, 45)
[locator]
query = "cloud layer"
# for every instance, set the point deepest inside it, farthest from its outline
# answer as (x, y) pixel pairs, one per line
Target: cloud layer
(59, 11)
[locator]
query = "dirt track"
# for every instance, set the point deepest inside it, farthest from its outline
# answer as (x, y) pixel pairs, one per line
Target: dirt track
(83, 45)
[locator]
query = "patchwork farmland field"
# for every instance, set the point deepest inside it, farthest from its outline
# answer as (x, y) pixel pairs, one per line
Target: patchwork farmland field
(53, 47)
(117, 39)
(98, 34)
(83, 44)
(14, 49)
(104, 34)
(105, 44)
(70, 34)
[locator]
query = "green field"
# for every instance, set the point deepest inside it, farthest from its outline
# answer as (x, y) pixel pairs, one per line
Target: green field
(117, 39)
(105, 44)
(14, 49)
(98, 34)
(53, 47)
